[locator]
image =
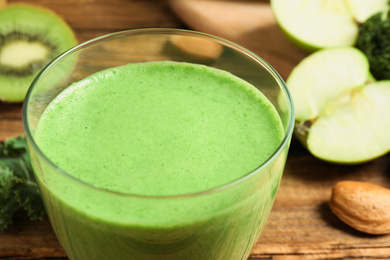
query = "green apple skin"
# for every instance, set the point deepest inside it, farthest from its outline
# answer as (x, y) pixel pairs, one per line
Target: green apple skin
(363, 126)
(300, 44)
(341, 111)
(316, 24)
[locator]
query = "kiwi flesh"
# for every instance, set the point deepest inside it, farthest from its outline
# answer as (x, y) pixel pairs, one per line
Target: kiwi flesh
(30, 37)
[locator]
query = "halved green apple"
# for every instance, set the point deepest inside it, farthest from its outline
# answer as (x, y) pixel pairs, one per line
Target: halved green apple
(317, 24)
(341, 116)
(361, 10)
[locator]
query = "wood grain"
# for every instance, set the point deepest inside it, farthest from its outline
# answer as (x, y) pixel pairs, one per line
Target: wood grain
(301, 224)
(10, 120)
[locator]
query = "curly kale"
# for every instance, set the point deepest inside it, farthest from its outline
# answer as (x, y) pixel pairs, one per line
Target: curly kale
(374, 41)
(18, 189)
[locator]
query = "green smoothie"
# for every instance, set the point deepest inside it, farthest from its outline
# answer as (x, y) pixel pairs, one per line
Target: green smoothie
(148, 141)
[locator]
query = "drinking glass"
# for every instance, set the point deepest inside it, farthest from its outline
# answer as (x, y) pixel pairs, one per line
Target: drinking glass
(93, 223)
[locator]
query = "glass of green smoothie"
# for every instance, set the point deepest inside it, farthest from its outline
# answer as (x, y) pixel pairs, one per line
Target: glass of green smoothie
(158, 144)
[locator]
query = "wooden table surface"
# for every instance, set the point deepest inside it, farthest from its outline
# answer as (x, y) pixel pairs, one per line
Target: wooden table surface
(301, 224)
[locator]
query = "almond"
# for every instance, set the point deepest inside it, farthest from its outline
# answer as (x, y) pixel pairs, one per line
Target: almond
(363, 206)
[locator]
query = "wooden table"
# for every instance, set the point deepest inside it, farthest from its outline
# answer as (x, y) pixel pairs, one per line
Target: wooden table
(301, 224)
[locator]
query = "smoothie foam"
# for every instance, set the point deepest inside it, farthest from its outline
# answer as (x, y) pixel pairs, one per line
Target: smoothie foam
(158, 129)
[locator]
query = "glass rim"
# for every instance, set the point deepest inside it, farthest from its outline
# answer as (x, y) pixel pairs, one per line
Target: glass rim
(285, 142)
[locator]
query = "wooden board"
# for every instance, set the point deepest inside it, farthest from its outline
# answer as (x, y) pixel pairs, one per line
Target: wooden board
(301, 224)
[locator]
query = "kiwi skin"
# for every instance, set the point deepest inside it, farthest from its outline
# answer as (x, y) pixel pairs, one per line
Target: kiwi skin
(30, 24)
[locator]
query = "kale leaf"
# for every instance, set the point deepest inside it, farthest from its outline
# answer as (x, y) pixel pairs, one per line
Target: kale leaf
(374, 41)
(18, 189)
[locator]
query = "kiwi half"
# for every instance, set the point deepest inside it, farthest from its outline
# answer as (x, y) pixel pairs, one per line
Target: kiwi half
(30, 37)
